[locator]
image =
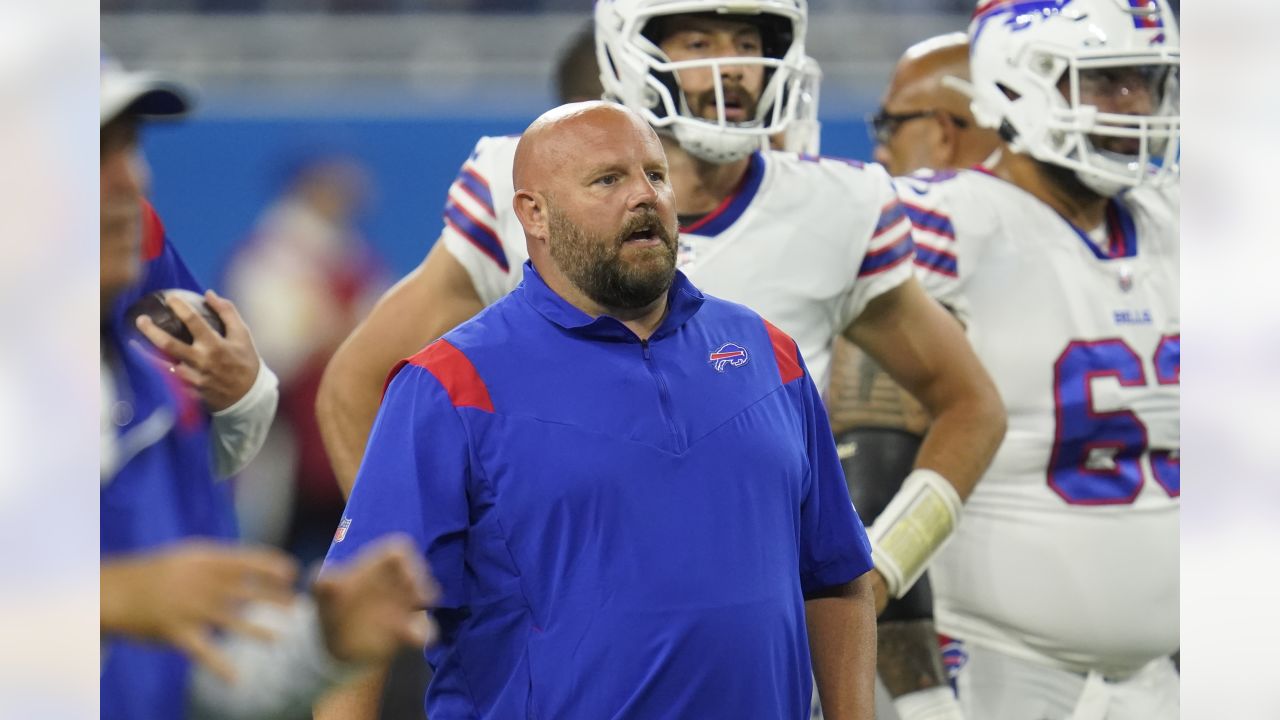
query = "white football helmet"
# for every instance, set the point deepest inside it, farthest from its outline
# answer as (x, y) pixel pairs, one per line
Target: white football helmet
(637, 73)
(804, 133)
(1028, 59)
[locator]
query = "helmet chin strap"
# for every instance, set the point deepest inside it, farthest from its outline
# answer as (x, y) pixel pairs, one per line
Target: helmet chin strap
(710, 145)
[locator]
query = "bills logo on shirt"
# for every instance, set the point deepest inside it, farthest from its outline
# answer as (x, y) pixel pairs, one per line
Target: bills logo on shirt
(342, 530)
(728, 355)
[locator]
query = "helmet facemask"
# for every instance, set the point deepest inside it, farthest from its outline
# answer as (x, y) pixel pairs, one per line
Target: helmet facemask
(1088, 85)
(637, 72)
(804, 132)
(1112, 151)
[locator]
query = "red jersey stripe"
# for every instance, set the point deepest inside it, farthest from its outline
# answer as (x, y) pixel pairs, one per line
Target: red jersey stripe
(786, 353)
(454, 371)
(152, 233)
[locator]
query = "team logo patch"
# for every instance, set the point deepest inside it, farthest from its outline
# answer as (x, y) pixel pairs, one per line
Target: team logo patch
(342, 530)
(728, 355)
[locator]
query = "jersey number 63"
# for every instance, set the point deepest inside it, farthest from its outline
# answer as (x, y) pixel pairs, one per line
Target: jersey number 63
(1098, 456)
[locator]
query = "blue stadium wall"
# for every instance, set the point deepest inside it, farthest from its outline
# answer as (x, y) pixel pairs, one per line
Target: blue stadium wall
(212, 177)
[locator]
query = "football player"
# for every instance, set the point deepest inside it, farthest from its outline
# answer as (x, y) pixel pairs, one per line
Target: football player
(1061, 259)
(923, 122)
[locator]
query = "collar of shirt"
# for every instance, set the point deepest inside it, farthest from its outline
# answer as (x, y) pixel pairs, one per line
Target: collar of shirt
(683, 301)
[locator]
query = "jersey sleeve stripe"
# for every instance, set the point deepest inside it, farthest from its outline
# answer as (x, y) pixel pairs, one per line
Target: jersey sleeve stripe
(470, 181)
(890, 215)
(454, 371)
(939, 261)
(934, 222)
(886, 257)
(785, 352)
(476, 231)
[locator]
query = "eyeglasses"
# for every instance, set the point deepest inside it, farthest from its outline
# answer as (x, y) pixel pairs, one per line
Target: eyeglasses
(883, 125)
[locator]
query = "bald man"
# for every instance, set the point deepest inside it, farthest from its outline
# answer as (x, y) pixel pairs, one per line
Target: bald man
(627, 490)
(924, 121)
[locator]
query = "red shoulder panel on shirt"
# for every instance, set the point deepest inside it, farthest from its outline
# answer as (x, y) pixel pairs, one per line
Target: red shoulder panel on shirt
(454, 371)
(152, 233)
(786, 352)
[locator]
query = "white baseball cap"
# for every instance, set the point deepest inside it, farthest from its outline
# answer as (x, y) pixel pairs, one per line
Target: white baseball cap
(146, 94)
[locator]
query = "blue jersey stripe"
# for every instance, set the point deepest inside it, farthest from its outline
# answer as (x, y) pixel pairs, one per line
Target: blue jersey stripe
(931, 221)
(937, 261)
(479, 234)
(890, 215)
(887, 257)
(476, 187)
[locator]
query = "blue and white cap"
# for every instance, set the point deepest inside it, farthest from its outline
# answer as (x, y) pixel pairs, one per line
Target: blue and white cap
(145, 94)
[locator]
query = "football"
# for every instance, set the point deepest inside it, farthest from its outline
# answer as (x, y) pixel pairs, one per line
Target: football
(155, 306)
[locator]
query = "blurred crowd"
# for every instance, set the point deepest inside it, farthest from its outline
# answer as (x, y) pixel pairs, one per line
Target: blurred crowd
(303, 278)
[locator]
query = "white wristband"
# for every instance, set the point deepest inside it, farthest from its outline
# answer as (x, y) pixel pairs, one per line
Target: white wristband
(914, 526)
(240, 430)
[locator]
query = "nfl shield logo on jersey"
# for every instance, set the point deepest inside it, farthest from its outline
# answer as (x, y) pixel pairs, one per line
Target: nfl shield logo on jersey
(342, 530)
(728, 355)
(1125, 275)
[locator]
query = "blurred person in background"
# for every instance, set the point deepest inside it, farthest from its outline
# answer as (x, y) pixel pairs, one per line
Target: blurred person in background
(302, 279)
(232, 382)
(820, 247)
(577, 76)
(174, 585)
(923, 123)
(1059, 594)
(924, 120)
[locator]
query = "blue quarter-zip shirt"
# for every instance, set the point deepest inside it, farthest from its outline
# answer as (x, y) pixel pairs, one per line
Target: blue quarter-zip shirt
(621, 529)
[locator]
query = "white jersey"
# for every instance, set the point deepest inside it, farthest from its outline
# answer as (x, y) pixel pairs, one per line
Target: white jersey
(1067, 552)
(805, 242)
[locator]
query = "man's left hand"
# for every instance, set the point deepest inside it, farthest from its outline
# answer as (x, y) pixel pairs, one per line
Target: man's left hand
(220, 369)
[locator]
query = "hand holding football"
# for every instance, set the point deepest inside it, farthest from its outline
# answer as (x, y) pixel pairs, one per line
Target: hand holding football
(155, 306)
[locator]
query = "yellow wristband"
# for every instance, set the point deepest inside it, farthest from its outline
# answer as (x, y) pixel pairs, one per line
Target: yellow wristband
(914, 526)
